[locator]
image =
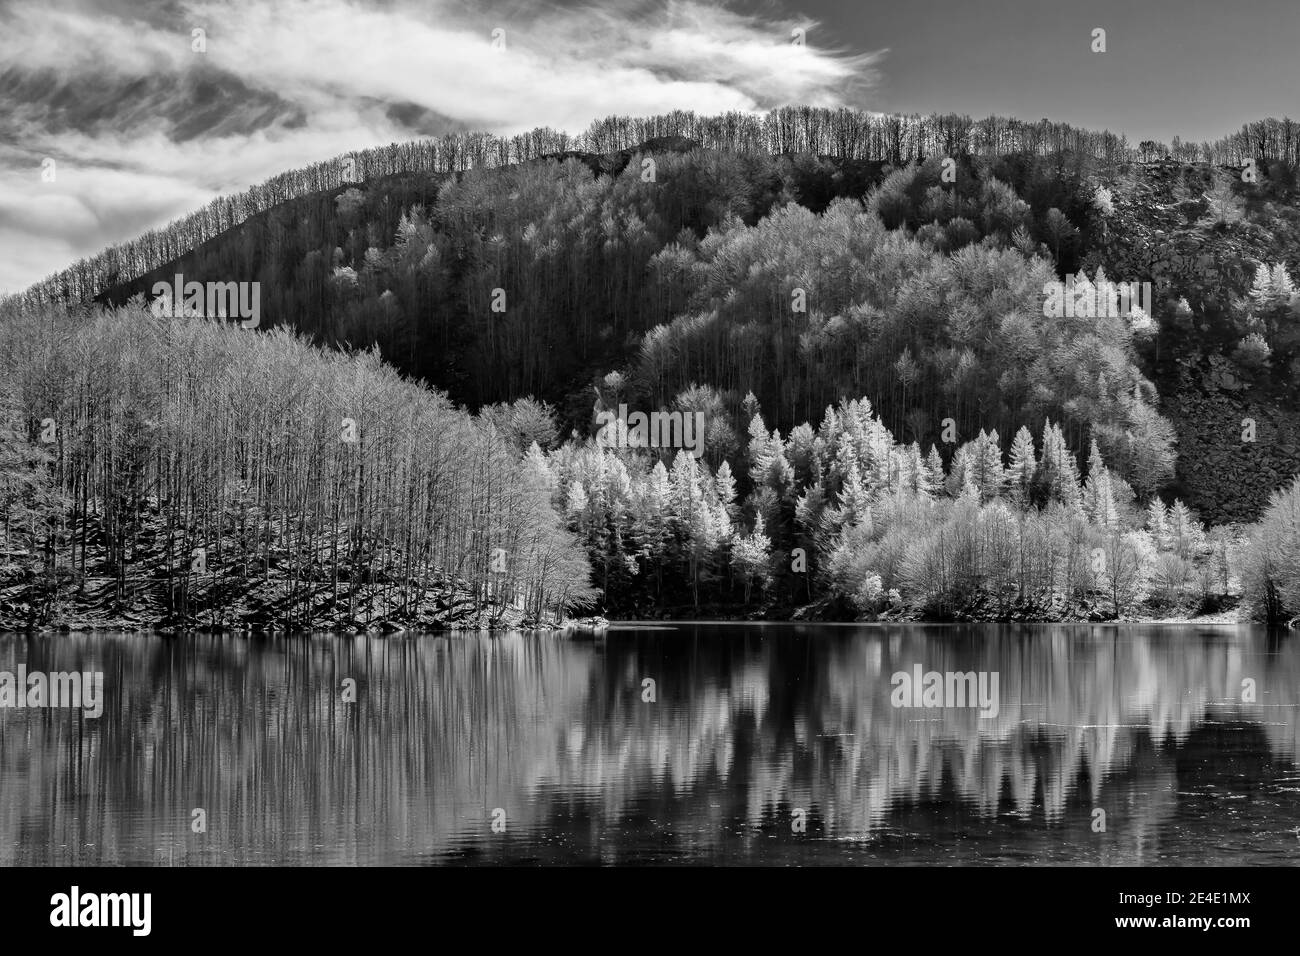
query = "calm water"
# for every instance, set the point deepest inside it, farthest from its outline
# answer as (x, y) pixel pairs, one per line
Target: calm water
(751, 723)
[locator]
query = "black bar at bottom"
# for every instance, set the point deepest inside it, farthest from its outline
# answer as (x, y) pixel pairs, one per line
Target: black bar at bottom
(666, 907)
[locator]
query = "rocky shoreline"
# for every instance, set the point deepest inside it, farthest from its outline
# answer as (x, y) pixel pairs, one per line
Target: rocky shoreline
(243, 605)
(984, 610)
(256, 605)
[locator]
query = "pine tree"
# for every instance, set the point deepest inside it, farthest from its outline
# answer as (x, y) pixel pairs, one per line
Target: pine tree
(1158, 523)
(1024, 464)
(1070, 490)
(1057, 469)
(958, 470)
(934, 470)
(970, 494)
(1271, 289)
(701, 525)
(855, 498)
(1095, 486)
(651, 521)
(1107, 294)
(990, 474)
(918, 479)
(1185, 532)
(1106, 514)
(684, 482)
(726, 488)
(1283, 287)
(759, 449)
(881, 458)
(1095, 463)
(801, 451)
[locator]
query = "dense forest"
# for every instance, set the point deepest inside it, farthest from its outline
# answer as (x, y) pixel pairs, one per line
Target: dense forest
(895, 422)
(848, 135)
(172, 472)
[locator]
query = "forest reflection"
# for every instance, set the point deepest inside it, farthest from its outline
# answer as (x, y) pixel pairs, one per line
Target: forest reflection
(1149, 724)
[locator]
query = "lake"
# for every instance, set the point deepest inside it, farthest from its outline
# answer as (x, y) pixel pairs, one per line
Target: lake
(770, 744)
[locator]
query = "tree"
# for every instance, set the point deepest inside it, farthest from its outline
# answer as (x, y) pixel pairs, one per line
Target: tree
(919, 479)
(1103, 202)
(203, 472)
(1002, 211)
(1129, 564)
(1185, 533)
(1157, 523)
(725, 488)
(1169, 577)
(1024, 465)
(750, 557)
(1057, 471)
(31, 504)
(986, 468)
(1271, 572)
(1059, 230)
(935, 474)
(1223, 201)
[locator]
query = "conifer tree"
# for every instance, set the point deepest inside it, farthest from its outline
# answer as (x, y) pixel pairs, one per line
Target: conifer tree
(934, 470)
(1024, 465)
(1157, 523)
(990, 474)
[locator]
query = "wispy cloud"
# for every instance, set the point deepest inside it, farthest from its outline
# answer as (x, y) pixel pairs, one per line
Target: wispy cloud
(143, 128)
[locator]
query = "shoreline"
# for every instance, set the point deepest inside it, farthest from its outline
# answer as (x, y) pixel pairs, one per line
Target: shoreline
(599, 625)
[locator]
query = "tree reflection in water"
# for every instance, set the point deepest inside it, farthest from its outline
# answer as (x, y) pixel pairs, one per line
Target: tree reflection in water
(750, 722)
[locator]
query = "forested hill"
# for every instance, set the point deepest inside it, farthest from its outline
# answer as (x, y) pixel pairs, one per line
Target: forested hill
(804, 257)
(410, 261)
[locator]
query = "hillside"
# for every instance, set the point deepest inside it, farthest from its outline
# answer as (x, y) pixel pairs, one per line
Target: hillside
(1201, 233)
(409, 262)
(861, 333)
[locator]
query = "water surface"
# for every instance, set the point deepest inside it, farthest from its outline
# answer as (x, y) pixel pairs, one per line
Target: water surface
(754, 730)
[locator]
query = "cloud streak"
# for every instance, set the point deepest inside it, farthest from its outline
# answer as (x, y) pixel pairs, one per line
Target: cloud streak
(144, 129)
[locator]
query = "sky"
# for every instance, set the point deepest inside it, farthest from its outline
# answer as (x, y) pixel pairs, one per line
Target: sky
(141, 127)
